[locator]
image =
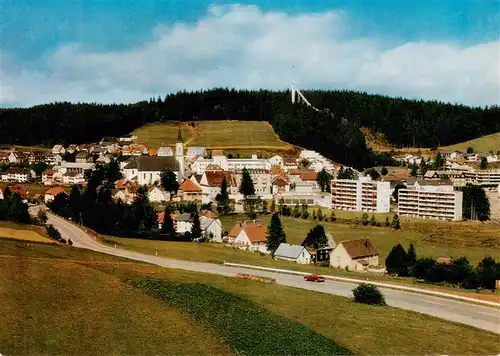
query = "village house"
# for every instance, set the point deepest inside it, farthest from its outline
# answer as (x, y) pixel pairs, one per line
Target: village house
(126, 190)
(211, 226)
(21, 190)
(83, 157)
(189, 191)
(211, 182)
(18, 174)
(58, 150)
(73, 177)
(158, 194)
(293, 253)
(119, 195)
(354, 255)
(17, 158)
(276, 161)
(182, 222)
(164, 152)
(52, 193)
(1, 194)
(48, 177)
(194, 151)
(250, 235)
(72, 148)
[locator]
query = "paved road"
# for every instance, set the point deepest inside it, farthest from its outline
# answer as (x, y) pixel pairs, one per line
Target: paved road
(482, 317)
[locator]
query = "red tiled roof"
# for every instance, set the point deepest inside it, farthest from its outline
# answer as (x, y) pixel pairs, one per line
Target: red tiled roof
(276, 171)
(19, 189)
(55, 191)
(255, 232)
(189, 186)
(217, 153)
(294, 172)
(446, 260)
(308, 175)
(215, 178)
(235, 230)
(49, 171)
(360, 248)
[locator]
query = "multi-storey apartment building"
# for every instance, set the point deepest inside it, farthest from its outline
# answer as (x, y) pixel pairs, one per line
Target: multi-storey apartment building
(487, 177)
(431, 200)
(362, 194)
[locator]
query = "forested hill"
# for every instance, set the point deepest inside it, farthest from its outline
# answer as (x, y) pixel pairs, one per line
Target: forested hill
(335, 133)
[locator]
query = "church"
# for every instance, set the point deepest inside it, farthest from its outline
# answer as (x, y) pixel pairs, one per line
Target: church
(147, 170)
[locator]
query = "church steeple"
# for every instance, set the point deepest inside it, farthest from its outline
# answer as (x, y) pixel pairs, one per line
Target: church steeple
(179, 135)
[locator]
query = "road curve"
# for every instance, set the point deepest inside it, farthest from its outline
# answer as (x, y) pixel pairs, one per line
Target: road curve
(481, 317)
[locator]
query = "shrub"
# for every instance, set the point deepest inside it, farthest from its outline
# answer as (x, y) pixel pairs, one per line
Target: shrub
(53, 232)
(368, 294)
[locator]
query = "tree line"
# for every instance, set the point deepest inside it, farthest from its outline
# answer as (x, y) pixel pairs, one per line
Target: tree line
(335, 131)
(457, 271)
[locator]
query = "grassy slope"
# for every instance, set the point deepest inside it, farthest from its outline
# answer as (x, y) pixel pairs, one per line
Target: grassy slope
(33, 188)
(482, 144)
(88, 292)
(34, 233)
(213, 135)
(58, 307)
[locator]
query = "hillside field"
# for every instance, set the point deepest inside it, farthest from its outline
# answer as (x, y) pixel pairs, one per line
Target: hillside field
(15, 231)
(225, 135)
(64, 300)
(482, 144)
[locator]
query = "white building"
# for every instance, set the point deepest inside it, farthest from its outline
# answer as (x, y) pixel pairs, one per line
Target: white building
(158, 195)
(354, 255)
(431, 200)
(362, 194)
(211, 226)
(194, 151)
(487, 177)
(146, 170)
(58, 150)
(165, 152)
(250, 235)
(65, 167)
(183, 223)
(293, 253)
(261, 180)
(18, 174)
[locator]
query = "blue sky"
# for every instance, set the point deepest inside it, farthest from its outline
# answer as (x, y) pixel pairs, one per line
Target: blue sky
(34, 34)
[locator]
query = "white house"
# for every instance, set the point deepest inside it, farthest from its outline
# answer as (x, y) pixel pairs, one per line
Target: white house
(251, 235)
(276, 161)
(158, 194)
(52, 193)
(211, 226)
(73, 177)
(194, 151)
(354, 255)
(58, 150)
(294, 253)
(164, 152)
(183, 223)
(18, 174)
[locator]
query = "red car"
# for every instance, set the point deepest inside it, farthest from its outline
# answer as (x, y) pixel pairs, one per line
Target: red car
(314, 278)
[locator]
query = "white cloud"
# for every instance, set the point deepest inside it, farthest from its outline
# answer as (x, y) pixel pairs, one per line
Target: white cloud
(243, 47)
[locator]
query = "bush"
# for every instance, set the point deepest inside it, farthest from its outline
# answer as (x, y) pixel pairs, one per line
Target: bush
(53, 232)
(368, 294)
